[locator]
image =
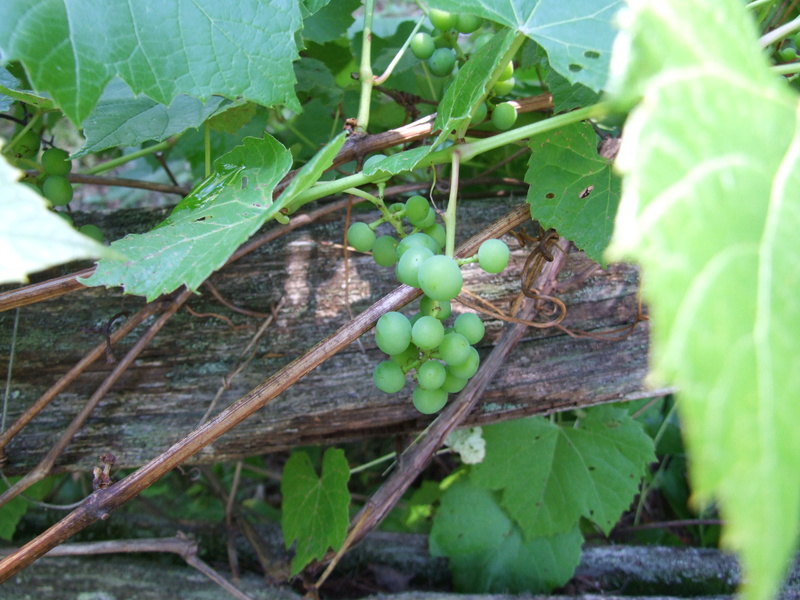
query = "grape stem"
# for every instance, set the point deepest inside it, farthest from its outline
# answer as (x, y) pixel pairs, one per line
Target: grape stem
(365, 72)
(388, 72)
(388, 217)
(452, 201)
(22, 132)
(116, 162)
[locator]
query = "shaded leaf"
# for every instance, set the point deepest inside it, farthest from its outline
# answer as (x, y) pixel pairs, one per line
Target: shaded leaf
(244, 49)
(330, 21)
(710, 207)
(314, 509)
(205, 228)
(551, 476)
(572, 188)
(487, 551)
(310, 173)
(577, 34)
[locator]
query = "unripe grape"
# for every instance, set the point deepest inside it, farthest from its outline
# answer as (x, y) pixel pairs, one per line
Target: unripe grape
(468, 23)
(453, 384)
(493, 256)
(384, 251)
(479, 114)
(470, 326)
(57, 189)
(428, 401)
(508, 72)
(393, 333)
(454, 348)
(406, 357)
(65, 216)
(422, 45)
(93, 231)
(503, 88)
(468, 368)
(442, 61)
(442, 20)
(440, 278)
(361, 237)
(417, 239)
(388, 377)
(787, 54)
(55, 161)
(407, 269)
(427, 333)
(438, 233)
(417, 208)
(504, 116)
(27, 145)
(434, 308)
(431, 374)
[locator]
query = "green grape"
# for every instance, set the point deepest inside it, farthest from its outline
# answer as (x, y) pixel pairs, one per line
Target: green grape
(27, 145)
(93, 231)
(503, 88)
(468, 23)
(407, 269)
(504, 116)
(796, 39)
(508, 72)
(417, 208)
(384, 251)
(429, 220)
(470, 326)
(437, 232)
(414, 240)
(434, 308)
(388, 377)
(65, 216)
(393, 333)
(453, 384)
(428, 401)
(479, 114)
(55, 161)
(427, 333)
(493, 256)
(361, 237)
(422, 45)
(57, 189)
(442, 20)
(787, 54)
(431, 374)
(440, 278)
(396, 207)
(468, 368)
(372, 161)
(442, 61)
(406, 357)
(454, 348)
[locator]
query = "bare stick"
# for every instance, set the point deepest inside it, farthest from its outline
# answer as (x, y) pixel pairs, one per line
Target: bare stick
(100, 504)
(43, 468)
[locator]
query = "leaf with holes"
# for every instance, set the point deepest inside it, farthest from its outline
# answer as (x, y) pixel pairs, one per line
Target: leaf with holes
(572, 188)
(577, 34)
(487, 550)
(314, 509)
(240, 49)
(205, 228)
(551, 476)
(710, 207)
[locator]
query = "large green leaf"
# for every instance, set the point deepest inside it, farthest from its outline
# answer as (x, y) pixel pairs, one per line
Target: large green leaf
(314, 509)
(205, 228)
(161, 49)
(551, 476)
(330, 21)
(487, 551)
(123, 119)
(710, 207)
(572, 188)
(32, 237)
(577, 34)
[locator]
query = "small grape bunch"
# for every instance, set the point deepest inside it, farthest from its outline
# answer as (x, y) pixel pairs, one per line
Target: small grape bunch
(56, 187)
(440, 359)
(438, 52)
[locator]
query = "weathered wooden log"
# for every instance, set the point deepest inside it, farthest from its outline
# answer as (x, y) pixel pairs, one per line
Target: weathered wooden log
(172, 385)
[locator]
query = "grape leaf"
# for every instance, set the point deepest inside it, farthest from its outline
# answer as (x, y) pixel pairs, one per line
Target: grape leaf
(123, 119)
(13, 510)
(572, 188)
(568, 96)
(199, 48)
(487, 551)
(314, 510)
(577, 34)
(205, 228)
(310, 172)
(550, 476)
(32, 237)
(711, 164)
(7, 82)
(331, 21)
(469, 85)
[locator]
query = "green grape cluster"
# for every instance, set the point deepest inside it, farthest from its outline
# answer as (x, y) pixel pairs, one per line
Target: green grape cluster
(440, 51)
(441, 359)
(55, 186)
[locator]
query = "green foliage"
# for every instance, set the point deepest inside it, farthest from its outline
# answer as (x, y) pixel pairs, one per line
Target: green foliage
(711, 159)
(314, 509)
(572, 188)
(14, 510)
